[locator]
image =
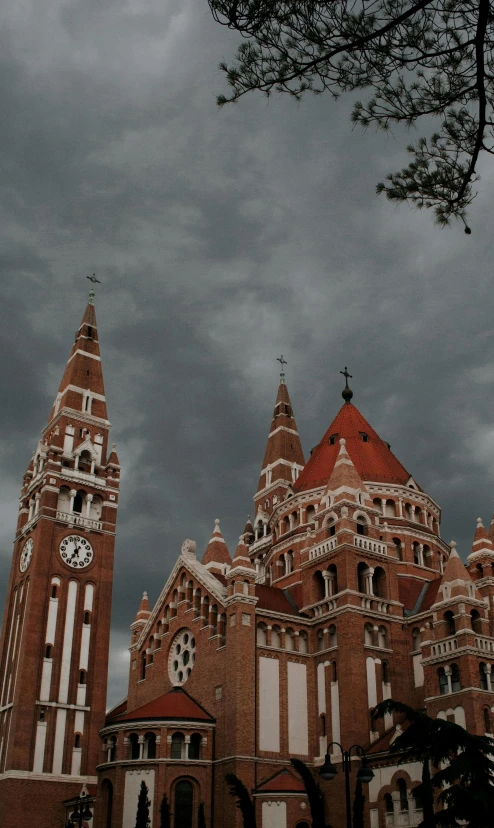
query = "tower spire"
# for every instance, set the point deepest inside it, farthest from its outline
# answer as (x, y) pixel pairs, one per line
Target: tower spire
(283, 457)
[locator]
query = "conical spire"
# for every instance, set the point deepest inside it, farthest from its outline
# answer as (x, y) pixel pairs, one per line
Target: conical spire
(345, 480)
(283, 449)
(82, 388)
(143, 612)
(456, 575)
(241, 557)
(481, 542)
(217, 555)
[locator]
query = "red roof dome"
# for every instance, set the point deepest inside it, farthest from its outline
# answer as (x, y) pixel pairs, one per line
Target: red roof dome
(370, 455)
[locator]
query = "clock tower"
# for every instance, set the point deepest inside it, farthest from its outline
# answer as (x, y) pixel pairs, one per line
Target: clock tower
(56, 624)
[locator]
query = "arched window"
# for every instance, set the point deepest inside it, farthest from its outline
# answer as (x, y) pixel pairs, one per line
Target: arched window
(368, 635)
(178, 742)
(398, 548)
(417, 799)
(333, 638)
(48, 651)
(134, 746)
(96, 508)
(416, 638)
(195, 746)
(455, 678)
(390, 508)
(377, 504)
(54, 591)
(402, 789)
(361, 526)
(333, 579)
(388, 804)
(184, 800)
(82, 677)
(197, 603)
(382, 637)
(362, 571)
(320, 640)
(450, 623)
(476, 621)
(87, 618)
(417, 558)
(379, 582)
(85, 461)
(107, 791)
(443, 681)
(479, 571)
(150, 746)
(483, 676)
(487, 720)
(302, 642)
(159, 628)
(77, 740)
(289, 640)
(261, 635)
(113, 749)
(79, 501)
(63, 504)
(275, 636)
(385, 671)
(319, 591)
(331, 526)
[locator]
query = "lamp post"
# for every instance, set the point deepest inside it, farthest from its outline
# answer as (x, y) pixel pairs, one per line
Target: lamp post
(81, 811)
(328, 771)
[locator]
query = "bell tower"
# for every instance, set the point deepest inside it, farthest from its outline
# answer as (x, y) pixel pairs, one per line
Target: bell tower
(56, 624)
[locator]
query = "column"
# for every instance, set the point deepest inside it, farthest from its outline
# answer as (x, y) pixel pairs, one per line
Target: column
(36, 503)
(265, 529)
(327, 579)
(140, 742)
(447, 670)
(76, 463)
(89, 499)
(368, 581)
(400, 507)
(93, 464)
(72, 498)
(31, 509)
(421, 554)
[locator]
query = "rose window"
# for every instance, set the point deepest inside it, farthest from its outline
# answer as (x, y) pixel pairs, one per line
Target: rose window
(182, 657)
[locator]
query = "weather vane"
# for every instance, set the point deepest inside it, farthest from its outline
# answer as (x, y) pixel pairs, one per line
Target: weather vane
(347, 393)
(94, 280)
(282, 362)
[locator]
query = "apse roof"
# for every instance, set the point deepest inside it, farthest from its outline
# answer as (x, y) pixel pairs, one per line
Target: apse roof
(370, 455)
(176, 704)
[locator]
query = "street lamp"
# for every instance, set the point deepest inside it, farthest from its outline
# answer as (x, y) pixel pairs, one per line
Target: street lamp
(80, 812)
(364, 774)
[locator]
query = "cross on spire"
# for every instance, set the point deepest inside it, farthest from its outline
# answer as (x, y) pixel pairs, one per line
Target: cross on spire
(347, 393)
(94, 280)
(282, 362)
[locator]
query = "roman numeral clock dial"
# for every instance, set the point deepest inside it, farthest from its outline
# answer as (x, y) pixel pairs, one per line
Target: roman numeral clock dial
(76, 552)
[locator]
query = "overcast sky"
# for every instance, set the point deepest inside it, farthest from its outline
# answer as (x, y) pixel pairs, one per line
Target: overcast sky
(222, 238)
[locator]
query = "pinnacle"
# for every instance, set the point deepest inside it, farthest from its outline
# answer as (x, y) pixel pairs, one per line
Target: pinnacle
(216, 550)
(481, 540)
(455, 569)
(241, 557)
(344, 479)
(143, 612)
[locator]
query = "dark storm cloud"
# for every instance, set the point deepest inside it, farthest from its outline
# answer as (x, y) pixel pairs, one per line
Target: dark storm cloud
(222, 238)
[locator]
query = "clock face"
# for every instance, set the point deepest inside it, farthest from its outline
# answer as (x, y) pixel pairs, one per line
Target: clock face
(76, 552)
(26, 555)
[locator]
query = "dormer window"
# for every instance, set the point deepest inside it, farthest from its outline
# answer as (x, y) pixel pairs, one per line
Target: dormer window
(332, 439)
(364, 437)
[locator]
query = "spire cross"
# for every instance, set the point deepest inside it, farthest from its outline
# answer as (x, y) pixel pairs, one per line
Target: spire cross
(94, 280)
(347, 394)
(282, 362)
(346, 375)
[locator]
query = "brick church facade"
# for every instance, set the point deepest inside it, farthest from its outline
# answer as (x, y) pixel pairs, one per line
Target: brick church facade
(340, 593)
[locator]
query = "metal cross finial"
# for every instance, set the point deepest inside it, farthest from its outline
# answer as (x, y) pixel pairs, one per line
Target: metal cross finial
(347, 393)
(92, 279)
(282, 362)
(346, 375)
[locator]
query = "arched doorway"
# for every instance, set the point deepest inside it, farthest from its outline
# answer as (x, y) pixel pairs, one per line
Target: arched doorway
(184, 801)
(107, 790)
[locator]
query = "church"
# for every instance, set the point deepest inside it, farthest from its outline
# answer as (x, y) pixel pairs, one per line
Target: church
(340, 593)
